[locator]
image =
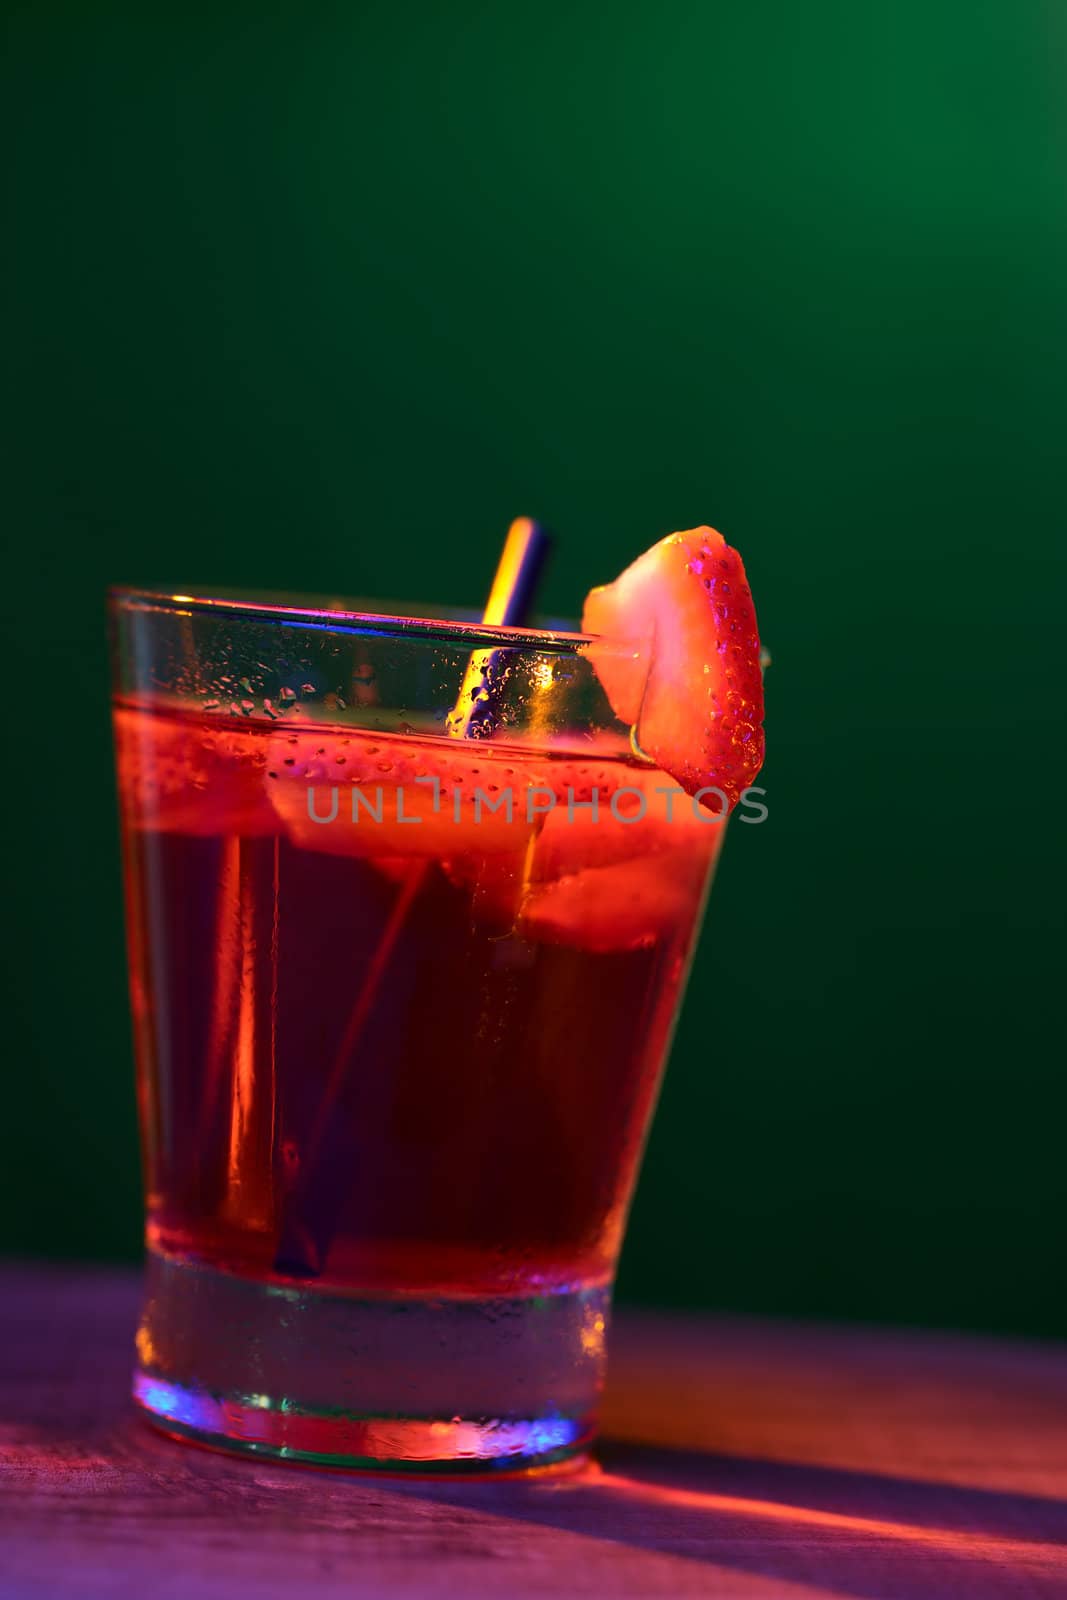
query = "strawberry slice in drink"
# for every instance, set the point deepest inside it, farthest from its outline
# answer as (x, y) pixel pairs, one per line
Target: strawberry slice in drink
(386, 796)
(680, 661)
(620, 878)
(626, 906)
(197, 776)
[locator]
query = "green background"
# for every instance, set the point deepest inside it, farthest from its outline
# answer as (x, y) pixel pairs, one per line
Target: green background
(320, 299)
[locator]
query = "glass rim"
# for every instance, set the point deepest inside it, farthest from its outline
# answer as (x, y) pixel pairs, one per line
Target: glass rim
(301, 611)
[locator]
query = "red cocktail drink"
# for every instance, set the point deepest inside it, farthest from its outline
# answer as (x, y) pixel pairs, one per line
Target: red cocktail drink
(402, 1002)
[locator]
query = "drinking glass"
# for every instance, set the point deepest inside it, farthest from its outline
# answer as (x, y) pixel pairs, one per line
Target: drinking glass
(409, 920)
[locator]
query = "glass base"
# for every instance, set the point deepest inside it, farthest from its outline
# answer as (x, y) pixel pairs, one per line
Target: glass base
(397, 1383)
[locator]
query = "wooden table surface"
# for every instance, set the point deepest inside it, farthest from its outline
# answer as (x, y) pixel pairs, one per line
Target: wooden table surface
(743, 1458)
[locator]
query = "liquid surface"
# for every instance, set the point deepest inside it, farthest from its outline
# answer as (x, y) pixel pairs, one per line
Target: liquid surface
(400, 1041)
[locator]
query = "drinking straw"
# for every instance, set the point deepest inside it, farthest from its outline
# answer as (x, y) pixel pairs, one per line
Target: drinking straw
(516, 577)
(310, 1214)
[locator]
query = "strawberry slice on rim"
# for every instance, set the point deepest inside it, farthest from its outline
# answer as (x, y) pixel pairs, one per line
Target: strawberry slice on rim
(678, 655)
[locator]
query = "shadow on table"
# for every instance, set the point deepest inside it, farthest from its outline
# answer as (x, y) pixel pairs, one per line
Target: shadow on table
(858, 1533)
